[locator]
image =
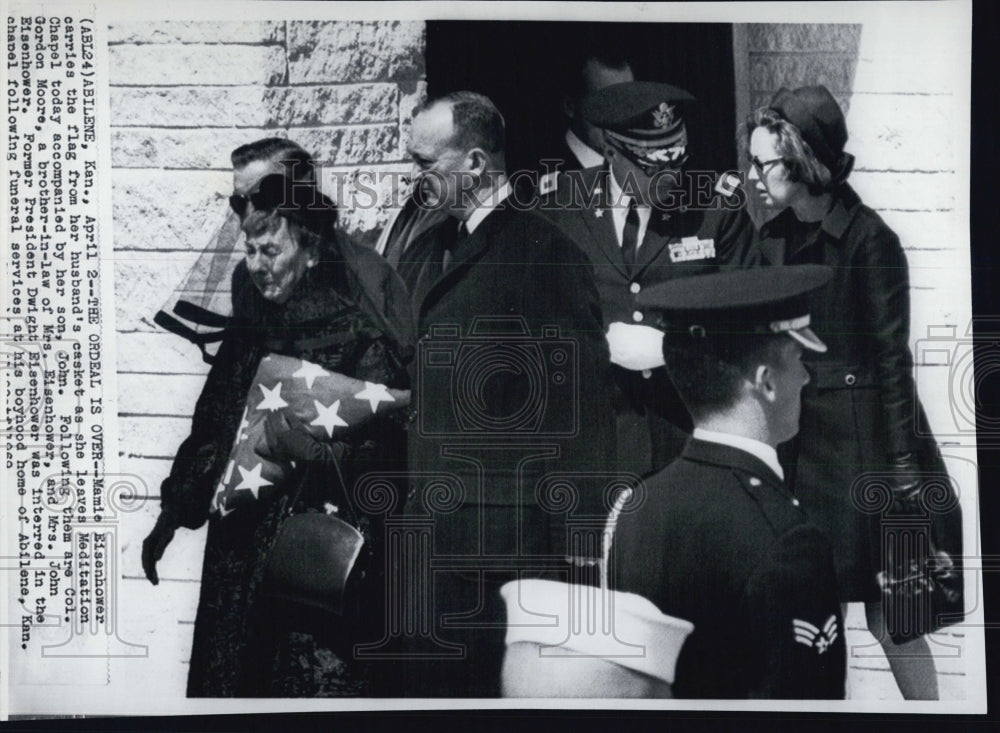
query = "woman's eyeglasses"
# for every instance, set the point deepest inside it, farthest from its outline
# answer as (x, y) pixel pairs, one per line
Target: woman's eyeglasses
(762, 165)
(270, 194)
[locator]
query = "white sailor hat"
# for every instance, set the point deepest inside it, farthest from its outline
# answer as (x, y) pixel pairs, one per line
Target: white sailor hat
(566, 640)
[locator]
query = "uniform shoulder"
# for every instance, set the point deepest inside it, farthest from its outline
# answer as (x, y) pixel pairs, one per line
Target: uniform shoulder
(570, 185)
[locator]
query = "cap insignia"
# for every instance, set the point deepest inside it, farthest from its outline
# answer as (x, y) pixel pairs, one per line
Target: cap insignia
(663, 116)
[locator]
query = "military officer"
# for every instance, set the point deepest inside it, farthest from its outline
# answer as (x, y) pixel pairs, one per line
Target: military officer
(642, 220)
(718, 539)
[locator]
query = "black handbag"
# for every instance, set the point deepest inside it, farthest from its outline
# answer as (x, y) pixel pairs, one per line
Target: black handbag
(313, 556)
(921, 577)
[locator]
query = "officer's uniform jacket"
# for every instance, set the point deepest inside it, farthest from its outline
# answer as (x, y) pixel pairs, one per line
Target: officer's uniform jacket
(718, 540)
(712, 231)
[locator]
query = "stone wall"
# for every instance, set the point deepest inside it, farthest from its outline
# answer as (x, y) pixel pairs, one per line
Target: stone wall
(183, 95)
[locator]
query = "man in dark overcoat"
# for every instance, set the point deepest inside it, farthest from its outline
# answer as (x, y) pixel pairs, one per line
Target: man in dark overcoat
(642, 220)
(717, 538)
(510, 382)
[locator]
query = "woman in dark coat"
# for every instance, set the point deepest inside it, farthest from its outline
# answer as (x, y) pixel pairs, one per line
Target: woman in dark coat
(858, 412)
(300, 293)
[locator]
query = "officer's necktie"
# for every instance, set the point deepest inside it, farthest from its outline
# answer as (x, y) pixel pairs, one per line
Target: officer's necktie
(630, 235)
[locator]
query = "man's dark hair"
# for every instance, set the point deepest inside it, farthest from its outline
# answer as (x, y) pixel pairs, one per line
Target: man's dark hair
(606, 54)
(708, 372)
(297, 162)
(478, 122)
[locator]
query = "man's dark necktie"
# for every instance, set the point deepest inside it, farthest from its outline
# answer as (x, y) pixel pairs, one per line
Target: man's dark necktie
(630, 236)
(461, 237)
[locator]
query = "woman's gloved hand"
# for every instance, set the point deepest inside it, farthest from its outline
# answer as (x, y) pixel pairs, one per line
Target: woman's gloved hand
(905, 478)
(286, 438)
(155, 544)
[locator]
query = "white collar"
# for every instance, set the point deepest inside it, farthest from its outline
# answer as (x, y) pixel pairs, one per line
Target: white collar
(494, 199)
(619, 210)
(588, 157)
(754, 447)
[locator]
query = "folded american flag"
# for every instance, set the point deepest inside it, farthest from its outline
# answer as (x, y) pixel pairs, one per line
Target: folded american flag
(328, 404)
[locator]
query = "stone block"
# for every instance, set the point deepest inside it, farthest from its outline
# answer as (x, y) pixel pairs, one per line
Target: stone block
(143, 283)
(193, 31)
(198, 149)
(907, 191)
(158, 352)
(917, 55)
(165, 395)
(926, 312)
(843, 38)
(175, 64)
(338, 51)
(182, 560)
(367, 196)
(337, 146)
(913, 73)
(152, 437)
(254, 106)
(188, 106)
(411, 95)
(949, 273)
(151, 470)
(929, 230)
(903, 132)
(770, 72)
(168, 210)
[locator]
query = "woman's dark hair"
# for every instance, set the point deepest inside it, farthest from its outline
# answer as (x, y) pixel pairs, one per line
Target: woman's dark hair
(801, 162)
(708, 372)
(260, 221)
(298, 163)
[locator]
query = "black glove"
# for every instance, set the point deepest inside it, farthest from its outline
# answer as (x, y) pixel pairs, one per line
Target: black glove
(287, 439)
(157, 541)
(905, 480)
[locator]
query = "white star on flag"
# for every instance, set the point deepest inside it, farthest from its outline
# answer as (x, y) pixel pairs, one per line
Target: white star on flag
(327, 417)
(375, 393)
(272, 398)
(252, 479)
(309, 372)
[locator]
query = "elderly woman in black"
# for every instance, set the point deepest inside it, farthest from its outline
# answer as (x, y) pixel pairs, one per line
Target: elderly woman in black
(301, 292)
(858, 412)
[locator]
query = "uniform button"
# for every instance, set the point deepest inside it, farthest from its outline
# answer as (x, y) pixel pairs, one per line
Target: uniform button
(635, 288)
(795, 502)
(850, 379)
(647, 373)
(637, 316)
(754, 481)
